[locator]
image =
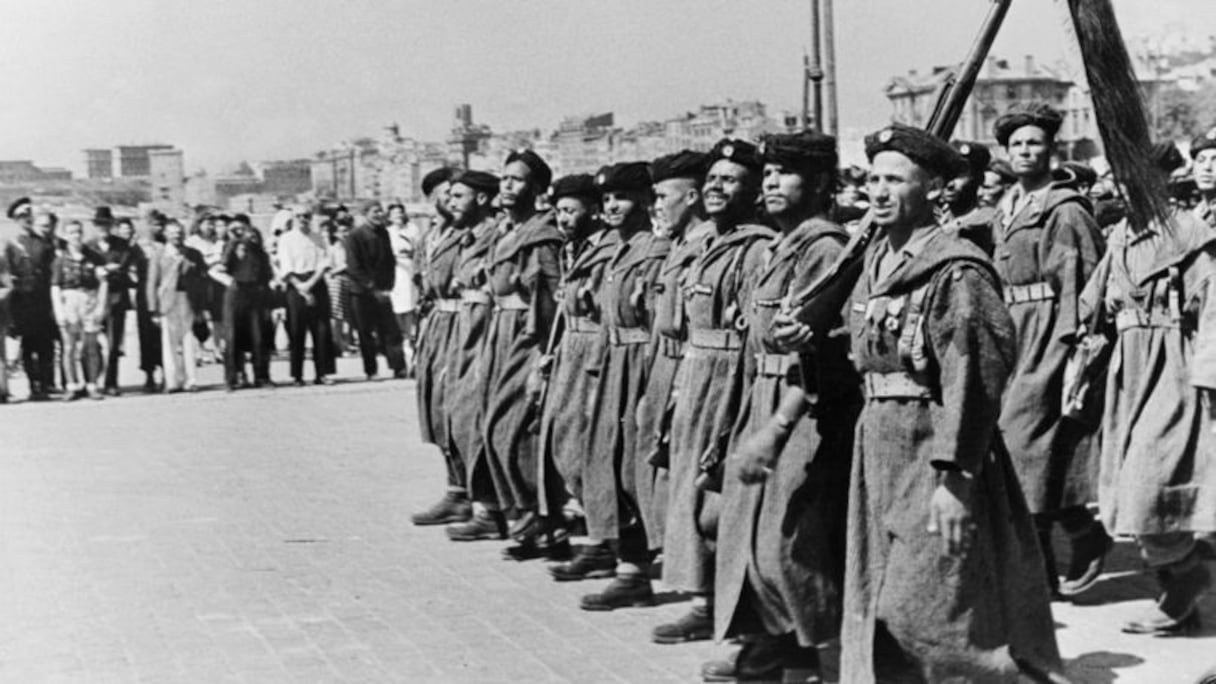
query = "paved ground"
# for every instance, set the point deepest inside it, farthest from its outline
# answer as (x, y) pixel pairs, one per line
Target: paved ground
(263, 536)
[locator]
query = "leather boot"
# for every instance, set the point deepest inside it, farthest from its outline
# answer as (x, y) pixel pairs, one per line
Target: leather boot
(593, 561)
(1088, 558)
(766, 659)
(695, 625)
(454, 507)
(1177, 610)
(483, 525)
(548, 541)
(626, 591)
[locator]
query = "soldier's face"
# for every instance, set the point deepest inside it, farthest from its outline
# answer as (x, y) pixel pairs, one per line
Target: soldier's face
(1029, 152)
(901, 192)
(784, 190)
(728, 189)
(462, 203)
(1205, 170)
(675, 200)
(958, 188)
(440, 197)
(992, 189)
(618, 206)
(573, 216)
(515, 186)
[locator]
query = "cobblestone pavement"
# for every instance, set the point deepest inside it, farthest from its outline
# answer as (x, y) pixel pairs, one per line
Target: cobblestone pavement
(263, 536)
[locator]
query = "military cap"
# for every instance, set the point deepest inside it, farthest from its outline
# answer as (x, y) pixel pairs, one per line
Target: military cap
(19, 207)
(581, 185)
(624, 176)
(1207, 141)
(478, 180)
(1002, 168)
(1166, 156)
(806, 151)
(737, 151)
(103, 216)
(436, 178)
(541, 172)
(929, 152)
(977, 155)
(1037, 114)
(685, 164)
(1074, 174)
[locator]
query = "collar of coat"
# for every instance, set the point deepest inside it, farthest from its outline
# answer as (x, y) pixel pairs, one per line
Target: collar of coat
(635, 250)
(598, 249)
(476, 241)
(683, 251)
(939, 250)
(742, 235)
(539, 229)
(1040, 205)
(1187, 237)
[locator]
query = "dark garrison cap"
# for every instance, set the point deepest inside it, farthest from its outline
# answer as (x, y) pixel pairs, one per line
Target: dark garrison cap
(737, 151)
(977, 155)
(1207, 141)
(580, 185)
(1038, 114)
(541, 172)
(19, 206)
(806, 151)
(478, 180)
(1166, 156)
(436, 178)
(929, 152)
(624, 176)
(685, 164)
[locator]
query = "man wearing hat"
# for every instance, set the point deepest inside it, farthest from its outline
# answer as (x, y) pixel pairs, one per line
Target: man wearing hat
(564, 378)
(780, 556)
(371, 267)
(1046, 249)
(121, 276)
(451, 336)
(680, 217)
(960, 197)
(713, 378)
(435, 188)
(1203, 169)
(998, 177)
(943, 576)
(31, 256)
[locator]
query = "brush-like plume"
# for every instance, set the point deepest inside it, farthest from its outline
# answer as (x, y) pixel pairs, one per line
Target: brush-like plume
(1119, 111)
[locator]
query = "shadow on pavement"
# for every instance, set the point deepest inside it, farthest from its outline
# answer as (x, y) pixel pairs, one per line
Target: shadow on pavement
(1099, 667)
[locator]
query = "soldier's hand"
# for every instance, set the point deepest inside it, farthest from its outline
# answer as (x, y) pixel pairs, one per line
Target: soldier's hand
(950, 512)
(790, 333)
(755, 456)
(534, 386)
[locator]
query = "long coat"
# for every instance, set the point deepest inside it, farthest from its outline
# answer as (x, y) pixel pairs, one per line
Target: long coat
(784, 538)
(522, 276)
(655, 408)
(464, 386)
(1158, 297)
(610, 494)
(565, 425)
(711, 386)
(1045, 253)
(962, 616)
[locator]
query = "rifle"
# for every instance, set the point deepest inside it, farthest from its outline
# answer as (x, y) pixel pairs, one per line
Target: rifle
(821, 302)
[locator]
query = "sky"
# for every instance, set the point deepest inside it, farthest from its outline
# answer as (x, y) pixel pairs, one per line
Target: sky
(232, 80)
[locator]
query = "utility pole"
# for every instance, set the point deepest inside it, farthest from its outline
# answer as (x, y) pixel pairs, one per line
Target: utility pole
(829, 59)
(815, 71)
(805, 121)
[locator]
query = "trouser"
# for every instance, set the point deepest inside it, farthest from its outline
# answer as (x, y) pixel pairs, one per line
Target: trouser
(3, 355)
(243, 315)
(303, 320)
(407, 323)
(36, 324)
(116, 328)
(149, 340)
(179, 346)
(377, 326)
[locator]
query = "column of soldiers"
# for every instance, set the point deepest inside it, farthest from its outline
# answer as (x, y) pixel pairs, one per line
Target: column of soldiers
(616, 357)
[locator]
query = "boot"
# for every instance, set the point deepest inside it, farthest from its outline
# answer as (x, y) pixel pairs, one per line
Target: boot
(548, 541)
(483, 525)
(696, 625)
(593, 561)
(454, 507)
(1088, 557)
(626, 591)
(766, 659)
(1177, 610)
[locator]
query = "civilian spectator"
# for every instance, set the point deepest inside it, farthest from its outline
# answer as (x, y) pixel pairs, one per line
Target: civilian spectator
(339, 289)
(176, 276)
(6, 292)
(146, 249)
(209, 239)
(31, 260)
(78, 297)
(303, 263)
(372, 270)
(246, 273)
(406, 241)
(121, 275)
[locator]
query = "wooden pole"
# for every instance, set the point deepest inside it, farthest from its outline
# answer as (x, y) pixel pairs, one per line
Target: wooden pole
(829, 60)
(815, 73)
(805, 121)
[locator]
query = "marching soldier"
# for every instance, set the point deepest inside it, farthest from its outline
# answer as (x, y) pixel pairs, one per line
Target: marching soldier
(711, 383)
(680, 218)
(943, 578)
(1203, 156)
(470, 196)
(1047, 247)
(564, 383)
(780, 559)
(610, 492)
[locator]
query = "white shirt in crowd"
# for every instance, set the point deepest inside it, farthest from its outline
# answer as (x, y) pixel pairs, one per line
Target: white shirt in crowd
(405, 241)
(301, 253)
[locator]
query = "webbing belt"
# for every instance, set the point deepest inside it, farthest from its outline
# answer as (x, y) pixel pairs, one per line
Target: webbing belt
(775, 365)
(671, 347)
(622, 336)
(447, 305)
(895, 386)
(581, 324)
(1126, 319)
(715, 339)
(511, 302)
(1034, 292)
(475, 297)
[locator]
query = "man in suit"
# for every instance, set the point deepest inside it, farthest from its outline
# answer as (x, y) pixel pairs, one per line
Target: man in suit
(174, 273)
(372, 269)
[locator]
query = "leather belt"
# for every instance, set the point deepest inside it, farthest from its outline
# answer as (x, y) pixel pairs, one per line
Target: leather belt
(622, 336)
(722, 338)
(896, 385)
(475, 297)
(511, 302)
(1034, 292)
(775, 365)
(671, 347)
(582, 324)
(1126, 319)
(447, 305)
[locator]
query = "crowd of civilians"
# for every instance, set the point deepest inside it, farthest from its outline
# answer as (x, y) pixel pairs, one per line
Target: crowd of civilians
(218, 289)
